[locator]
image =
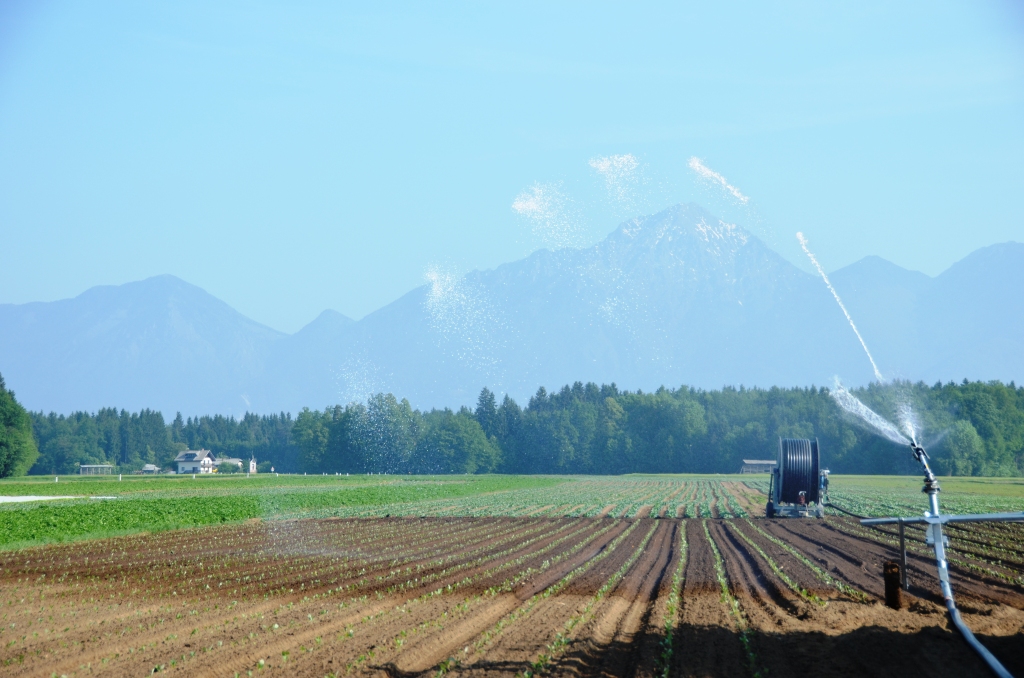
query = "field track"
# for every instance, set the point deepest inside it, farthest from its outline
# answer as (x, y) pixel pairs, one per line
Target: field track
(641, 596)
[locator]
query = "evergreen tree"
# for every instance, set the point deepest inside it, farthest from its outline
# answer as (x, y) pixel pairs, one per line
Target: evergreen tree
(18, 450)
(487, 412)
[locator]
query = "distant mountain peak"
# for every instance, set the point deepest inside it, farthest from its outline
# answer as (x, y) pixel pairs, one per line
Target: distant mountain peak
(676, 297)
(686, 226)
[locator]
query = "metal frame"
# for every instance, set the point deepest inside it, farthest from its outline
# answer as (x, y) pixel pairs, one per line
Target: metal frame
(939, 541)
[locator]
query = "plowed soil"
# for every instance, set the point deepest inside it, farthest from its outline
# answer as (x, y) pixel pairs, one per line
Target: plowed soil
(501, 596)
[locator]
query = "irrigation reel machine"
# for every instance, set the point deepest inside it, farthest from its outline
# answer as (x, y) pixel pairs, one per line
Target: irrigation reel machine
(799, 486)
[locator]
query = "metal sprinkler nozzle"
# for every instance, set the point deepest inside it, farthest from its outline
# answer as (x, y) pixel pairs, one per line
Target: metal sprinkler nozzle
(931, 483)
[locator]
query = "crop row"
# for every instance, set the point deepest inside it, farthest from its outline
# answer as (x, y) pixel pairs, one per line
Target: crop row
(409, 594)
(591, 497)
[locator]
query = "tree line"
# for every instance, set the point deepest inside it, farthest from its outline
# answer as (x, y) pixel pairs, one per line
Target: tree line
(970, 428)
(131, 440)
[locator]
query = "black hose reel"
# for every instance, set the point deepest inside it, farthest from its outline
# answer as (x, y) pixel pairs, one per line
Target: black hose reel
(798, 470)
(796, 480)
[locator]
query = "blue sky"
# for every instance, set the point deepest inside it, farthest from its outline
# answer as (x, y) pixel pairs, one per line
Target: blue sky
(292, 157)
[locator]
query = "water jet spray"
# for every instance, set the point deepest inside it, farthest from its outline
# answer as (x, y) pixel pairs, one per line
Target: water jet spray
(932, 517)
(803, 244)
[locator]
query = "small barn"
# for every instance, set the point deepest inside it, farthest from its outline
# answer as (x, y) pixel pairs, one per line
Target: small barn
(758, 466)
(195, 461)
(95, 469)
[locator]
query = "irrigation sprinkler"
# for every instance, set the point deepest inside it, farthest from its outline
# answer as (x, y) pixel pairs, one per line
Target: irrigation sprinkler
(938, 541)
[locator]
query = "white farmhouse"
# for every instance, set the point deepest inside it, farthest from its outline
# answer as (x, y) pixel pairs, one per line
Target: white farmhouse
(196, 461)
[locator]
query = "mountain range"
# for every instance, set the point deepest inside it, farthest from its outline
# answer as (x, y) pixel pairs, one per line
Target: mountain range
(679, 297)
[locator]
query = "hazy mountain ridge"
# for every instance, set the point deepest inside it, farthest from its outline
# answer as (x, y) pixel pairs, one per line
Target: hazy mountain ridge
(673, 298)
(147, 343)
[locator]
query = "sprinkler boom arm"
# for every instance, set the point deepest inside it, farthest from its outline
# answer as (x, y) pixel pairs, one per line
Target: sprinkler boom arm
(938, 542)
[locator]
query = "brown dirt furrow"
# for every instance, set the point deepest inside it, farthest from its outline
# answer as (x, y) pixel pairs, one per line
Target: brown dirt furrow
(137, 626)
(713, 508)
(921, 569)
(906, 638)
(169, 629)
(441, 624)
(650, 643)
(767, 602)
(431, 648)
(959, 550)
(749, 500)
(621, 636)
(107, 557)
(519, 644)
(606, 510)
(397, 596)
(794, 568)
(374, 623)
(984, 546)
(141, 615)
(705, 642)
(90, 571)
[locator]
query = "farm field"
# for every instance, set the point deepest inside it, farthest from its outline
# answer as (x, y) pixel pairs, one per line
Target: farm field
(161, 503)
(637, 575)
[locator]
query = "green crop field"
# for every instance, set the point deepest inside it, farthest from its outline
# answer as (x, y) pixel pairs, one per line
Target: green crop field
(160, 503)
(137, 504)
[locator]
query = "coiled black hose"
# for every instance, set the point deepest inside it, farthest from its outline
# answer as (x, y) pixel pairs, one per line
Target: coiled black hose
(799, 463)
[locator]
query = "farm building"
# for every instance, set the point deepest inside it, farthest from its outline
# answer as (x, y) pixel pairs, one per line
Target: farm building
(196, 461)
(95, 469)
(230, 460)
(150, 468)
(758, 466)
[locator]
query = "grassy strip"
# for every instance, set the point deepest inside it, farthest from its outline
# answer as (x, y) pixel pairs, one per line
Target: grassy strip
(840, 586)
(734, 607)
(201, 503)
(796, 588)
(375, 489)
(562, 639)
(672, 607)
(69, 521)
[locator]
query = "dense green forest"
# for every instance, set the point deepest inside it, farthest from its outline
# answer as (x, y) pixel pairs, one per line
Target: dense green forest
(130, 440)
(971, 428)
